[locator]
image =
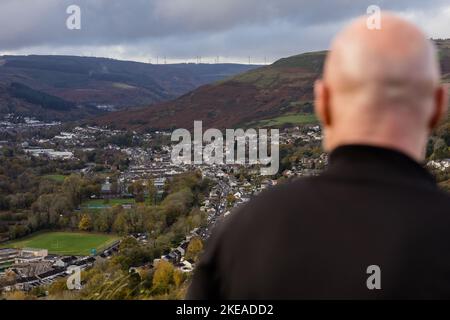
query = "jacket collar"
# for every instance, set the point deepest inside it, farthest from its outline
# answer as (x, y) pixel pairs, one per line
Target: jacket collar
(370, 162)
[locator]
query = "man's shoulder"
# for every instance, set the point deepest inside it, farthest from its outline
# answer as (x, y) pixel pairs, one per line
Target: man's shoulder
(312, 198)
(276, 203)
(286, 193)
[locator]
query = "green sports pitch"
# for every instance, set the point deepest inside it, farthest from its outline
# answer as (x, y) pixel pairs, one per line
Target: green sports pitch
(293, 119)
(65, 243)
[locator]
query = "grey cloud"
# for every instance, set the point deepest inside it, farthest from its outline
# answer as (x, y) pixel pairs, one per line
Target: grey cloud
(186, 27)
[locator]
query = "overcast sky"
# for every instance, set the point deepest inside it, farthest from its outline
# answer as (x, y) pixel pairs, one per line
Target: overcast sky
(181, 30)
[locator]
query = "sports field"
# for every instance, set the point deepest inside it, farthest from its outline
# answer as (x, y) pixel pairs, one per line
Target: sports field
(102, 204)
(293, 119)
(64, 243)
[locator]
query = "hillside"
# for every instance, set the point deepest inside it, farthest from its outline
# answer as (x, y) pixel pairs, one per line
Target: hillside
(276, 92)
(67, 87)
(282, 87)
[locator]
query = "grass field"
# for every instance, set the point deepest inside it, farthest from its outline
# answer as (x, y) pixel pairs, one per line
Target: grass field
(100, 203)
(64, 243)
(55, 177)
(294, 119)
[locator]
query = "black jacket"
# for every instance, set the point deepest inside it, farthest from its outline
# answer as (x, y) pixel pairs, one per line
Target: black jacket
(315, 238)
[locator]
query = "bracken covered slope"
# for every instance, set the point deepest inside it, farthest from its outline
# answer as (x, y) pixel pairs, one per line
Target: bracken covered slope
(285, 87)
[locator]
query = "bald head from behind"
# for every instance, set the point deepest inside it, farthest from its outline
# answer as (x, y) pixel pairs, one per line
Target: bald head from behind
(381, 87)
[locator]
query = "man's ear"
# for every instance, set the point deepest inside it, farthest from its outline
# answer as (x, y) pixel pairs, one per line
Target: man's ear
(321, 102)
(440, 105)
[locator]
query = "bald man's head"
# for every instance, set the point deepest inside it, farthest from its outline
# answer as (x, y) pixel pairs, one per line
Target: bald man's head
(380, 87)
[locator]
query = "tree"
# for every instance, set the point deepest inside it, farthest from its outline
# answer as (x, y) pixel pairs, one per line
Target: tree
(46, 187)
(178, 278)
(61, 205)
(128, 243)
(163, 277)
(44, 202)
(177, 204)
(151, 192)
(72, 186)
(17, 231)
(4, 203)
(194, 248)
(91, 188)
(85, 223)
(196, 219)
(443, 131)
(102, 222)
(137, 189)
(120, 224)
(441, 150)
(17, 201)
(231, 199)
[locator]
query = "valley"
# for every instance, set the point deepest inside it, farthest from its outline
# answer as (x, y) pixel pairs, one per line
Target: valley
(71, 88)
